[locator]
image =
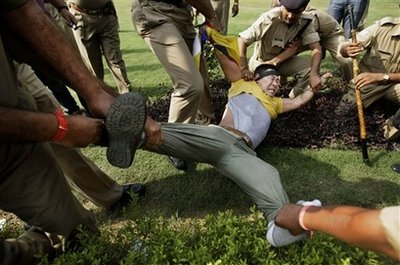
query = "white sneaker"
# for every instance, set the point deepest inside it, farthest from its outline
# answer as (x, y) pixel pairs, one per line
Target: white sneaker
(279, 237)
(315, 202)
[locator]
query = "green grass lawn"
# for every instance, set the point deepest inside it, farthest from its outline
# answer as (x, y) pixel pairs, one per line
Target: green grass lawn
(201, 217)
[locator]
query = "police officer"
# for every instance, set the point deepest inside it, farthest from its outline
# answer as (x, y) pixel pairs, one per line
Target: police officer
(379, 67)
(272, 32)
(97, 33)
(331, 34)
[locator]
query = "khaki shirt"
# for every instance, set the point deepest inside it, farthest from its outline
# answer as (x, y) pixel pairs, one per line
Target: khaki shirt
(382, 41)
(323, 23)
(271, 34)
(90, 4)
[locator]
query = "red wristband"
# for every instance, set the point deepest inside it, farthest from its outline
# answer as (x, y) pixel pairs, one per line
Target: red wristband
(62, 126)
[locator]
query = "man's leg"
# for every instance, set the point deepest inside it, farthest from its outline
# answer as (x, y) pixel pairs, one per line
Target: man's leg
(85, 176)
(221, 7)
(34, 188)
(110, 43)
(87, 42)
(232, 157)
(176, 57)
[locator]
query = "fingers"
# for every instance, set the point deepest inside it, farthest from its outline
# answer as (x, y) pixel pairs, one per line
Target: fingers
(247, 75)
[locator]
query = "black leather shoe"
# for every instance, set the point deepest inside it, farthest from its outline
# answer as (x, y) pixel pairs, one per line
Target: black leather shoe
(396, 168)
(178, 163)
(126, 198)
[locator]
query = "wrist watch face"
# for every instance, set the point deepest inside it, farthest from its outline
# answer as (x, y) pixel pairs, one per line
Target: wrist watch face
(386, 78)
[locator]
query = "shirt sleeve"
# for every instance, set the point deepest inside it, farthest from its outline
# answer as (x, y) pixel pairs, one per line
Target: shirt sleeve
(310, 35)
(256, 31)
(366, 36)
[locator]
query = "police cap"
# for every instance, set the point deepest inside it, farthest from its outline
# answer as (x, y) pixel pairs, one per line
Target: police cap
(294, 4)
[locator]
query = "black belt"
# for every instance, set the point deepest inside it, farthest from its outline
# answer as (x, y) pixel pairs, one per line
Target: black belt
(108, 9)
(177, 3)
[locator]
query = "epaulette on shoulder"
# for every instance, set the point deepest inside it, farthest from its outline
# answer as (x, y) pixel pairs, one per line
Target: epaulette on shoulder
(307, 16)
(389, 20)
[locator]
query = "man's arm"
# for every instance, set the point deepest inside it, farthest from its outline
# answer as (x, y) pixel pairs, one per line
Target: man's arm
(297, 102)
(205, 7)
(28, 126)
(245, 72)
(305, 97)
(31, 24)
(354, 225)
(290, 51)
(316, 58)
(231, 70)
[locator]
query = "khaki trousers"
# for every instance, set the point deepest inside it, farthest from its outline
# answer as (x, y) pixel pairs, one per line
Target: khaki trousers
(169, 32)
(96, 35)
(221, 8)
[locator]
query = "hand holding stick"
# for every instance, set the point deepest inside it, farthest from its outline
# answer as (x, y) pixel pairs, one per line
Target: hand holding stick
(360, 106)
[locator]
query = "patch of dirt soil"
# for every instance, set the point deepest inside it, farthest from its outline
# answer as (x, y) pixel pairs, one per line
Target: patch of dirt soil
(313, 126)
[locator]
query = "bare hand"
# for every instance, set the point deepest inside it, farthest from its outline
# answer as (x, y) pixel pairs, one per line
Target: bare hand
(315, 82)
(69, 18)
(288, 217)
(364, 79)
(154, 134)
(235, 9)
(82, 131)
(247, 75)
(353, 49)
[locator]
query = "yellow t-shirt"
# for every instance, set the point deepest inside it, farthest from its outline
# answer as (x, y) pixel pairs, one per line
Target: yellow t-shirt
(274, 105)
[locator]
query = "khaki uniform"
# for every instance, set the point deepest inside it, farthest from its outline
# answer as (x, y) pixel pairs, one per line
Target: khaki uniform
(221, 8)
(271, 35)
(32, 184)
(169, 32)
(97, 33)
(331, 35)
(382, 44)
(80, 171)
